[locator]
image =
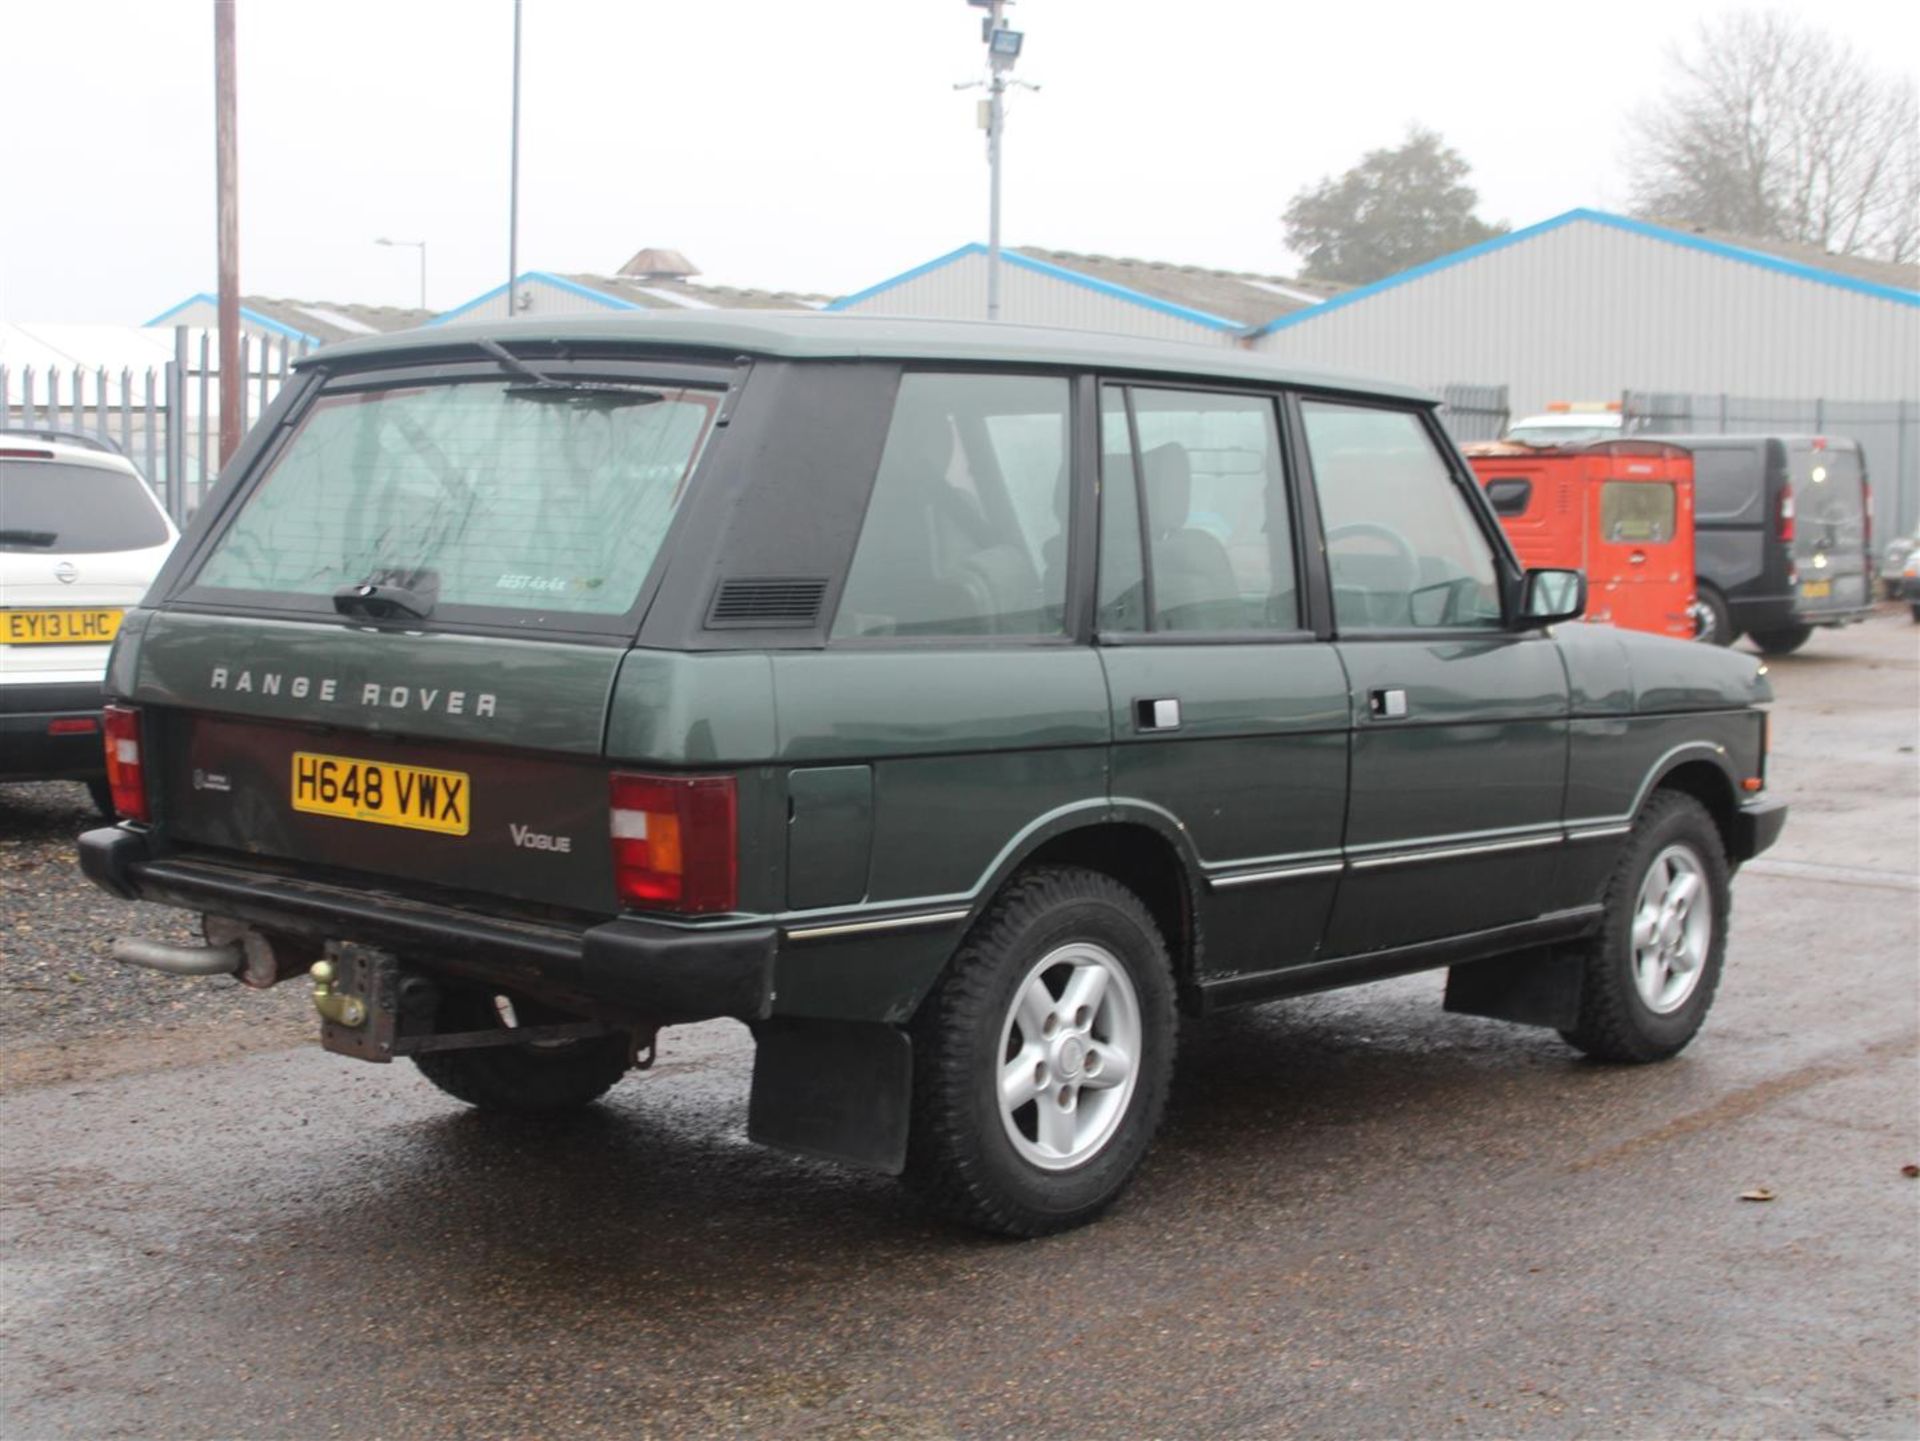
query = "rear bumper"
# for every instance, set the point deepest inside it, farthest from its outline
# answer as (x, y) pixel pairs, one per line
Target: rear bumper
(1756, 826)
(654, 970)
(28, 752)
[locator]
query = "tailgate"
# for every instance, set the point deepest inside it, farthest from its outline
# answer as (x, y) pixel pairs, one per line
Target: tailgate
(382, 752)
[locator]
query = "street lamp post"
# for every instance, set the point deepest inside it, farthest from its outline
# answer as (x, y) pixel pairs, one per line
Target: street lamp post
(419, 245)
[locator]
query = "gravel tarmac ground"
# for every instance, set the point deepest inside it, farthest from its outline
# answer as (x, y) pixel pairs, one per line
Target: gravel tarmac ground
(1364, 1218)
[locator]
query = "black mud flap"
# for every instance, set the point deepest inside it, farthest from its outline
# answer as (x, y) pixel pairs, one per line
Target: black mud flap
(838, 1090)
(1533, 988)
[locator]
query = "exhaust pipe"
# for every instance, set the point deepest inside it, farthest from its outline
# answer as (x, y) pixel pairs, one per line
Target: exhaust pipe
(175, 960)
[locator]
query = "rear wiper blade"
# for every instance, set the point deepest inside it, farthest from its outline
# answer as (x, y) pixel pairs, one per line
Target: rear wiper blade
(376, 601)
(541, 386)
(28, 537)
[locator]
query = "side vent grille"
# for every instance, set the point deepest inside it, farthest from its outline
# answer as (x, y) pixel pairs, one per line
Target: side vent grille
(784, 601)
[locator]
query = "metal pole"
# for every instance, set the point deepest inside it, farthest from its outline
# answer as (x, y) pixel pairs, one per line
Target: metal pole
(226, 184)
(996, 119)
(513, 183)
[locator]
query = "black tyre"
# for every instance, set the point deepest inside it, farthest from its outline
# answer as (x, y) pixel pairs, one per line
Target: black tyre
(102, 796)
(1916, 613)
(1784, 641)
(1042, 1060)
(1651, 972)
(554, 1076)
(1716, 621)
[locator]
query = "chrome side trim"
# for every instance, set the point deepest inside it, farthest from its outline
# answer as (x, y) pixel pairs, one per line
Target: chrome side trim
(1448, 853)
(1278, 873)
(889, 923)
(1576, 834)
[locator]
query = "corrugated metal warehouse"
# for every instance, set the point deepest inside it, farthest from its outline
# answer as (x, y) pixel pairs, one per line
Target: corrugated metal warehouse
(1588, 305)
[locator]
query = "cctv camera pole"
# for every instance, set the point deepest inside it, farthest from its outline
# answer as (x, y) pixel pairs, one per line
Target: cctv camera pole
(996, 122)
(228, 226)
(513, 184)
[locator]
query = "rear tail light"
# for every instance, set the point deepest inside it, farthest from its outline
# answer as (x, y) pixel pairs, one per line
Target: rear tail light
(73, 725)
(676, 842)
(126, 775)
(1783, 518)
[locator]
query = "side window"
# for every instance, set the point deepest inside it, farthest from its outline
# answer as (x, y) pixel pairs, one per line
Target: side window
(966, 531)
(1219, 530)
(1510, 495)
(1637, 511)
(1123, 605)
(1403, 547)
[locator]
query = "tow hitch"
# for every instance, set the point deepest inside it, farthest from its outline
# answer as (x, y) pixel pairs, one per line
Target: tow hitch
(371, 1010)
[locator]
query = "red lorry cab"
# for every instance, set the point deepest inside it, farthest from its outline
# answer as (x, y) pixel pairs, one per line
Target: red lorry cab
(1620, 510)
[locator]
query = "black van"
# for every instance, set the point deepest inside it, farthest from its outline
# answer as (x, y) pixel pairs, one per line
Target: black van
(1783, 536)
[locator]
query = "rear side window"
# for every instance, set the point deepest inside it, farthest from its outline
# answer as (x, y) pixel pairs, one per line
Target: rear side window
(965, 533)
(47, 506)
(474, 494)
(1637, 511)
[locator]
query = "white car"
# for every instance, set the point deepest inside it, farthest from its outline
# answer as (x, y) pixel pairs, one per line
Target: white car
(81, 538)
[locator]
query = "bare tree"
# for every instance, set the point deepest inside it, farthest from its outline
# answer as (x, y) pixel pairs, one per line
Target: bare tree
(1773, 129)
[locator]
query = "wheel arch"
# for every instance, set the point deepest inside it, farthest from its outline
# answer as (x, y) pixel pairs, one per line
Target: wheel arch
(1141, 847)
(1705, 777)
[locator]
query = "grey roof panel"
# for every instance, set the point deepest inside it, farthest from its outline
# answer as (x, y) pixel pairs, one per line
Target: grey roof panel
(808, 335)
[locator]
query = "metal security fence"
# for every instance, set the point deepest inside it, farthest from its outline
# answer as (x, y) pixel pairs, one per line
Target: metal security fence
(1888, 432)
(165, 419)
(1474, 412)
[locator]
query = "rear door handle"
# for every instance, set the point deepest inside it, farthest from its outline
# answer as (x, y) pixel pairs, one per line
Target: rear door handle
(1387, 704)
(1162, 714)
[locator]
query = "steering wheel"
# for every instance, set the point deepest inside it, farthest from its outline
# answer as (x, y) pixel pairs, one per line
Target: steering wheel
(1403, 550)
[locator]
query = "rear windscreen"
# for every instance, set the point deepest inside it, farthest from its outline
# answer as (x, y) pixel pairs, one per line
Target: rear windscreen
(1637, 511)
(46, 505)
(501, 495)
(1827, 492)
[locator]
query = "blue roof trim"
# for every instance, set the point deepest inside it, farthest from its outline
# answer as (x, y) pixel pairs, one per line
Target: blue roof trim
(1617, 222)
(558, 282)
(1054, 271)
(247, 317)
(972, 247)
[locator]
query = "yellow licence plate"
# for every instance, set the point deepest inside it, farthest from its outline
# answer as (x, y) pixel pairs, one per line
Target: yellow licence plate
(385, 794)
(58, 627)
(1817, 589)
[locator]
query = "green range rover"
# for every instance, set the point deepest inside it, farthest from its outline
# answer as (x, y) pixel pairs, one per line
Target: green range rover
(953, 704)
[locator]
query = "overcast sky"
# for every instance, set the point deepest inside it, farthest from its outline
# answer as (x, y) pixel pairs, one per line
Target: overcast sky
(815, 147)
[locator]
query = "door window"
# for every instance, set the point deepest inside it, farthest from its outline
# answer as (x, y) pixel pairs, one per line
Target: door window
(1403, 546)
(1637, 512)
(1218, 531)
(965, 534)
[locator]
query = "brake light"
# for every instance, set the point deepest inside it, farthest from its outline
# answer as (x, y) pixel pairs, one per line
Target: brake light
(126, 775)
(1783, 518)
(73, 725)
(676, 842)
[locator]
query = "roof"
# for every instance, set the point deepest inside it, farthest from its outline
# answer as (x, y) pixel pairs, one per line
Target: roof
(1246, 296)
(624, 292)
(315, 321)
(814, 336)
(1226, 300)
(1841, 272)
